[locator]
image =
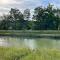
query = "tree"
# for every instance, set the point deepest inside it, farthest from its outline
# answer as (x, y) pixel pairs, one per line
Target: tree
(57, 14)
(16, 14)
(27, 23)
(26, 14)
(5, 22)
(38, 13)
(45, 18)
(17, 17)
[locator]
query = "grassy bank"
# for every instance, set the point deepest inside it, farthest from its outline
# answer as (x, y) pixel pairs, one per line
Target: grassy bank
(31, 33)
(27, 54)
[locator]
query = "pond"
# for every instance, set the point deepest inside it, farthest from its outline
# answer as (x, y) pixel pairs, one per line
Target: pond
(24, 42)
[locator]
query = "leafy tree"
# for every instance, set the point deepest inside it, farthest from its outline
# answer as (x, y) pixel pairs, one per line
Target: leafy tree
(45, 18)
(26, 14)
(5, 22)
(17, 17)
(27, 23)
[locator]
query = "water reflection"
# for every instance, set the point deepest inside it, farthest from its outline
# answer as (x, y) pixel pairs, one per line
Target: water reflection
(29, 42)
(3, 42)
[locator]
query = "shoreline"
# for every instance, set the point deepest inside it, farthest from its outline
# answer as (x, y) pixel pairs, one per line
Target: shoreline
(31, 33)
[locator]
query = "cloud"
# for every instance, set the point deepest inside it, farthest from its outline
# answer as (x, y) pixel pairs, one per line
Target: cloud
(5, 5)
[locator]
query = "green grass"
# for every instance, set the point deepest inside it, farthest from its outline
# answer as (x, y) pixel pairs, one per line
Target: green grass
(28, 54)
(31, 33)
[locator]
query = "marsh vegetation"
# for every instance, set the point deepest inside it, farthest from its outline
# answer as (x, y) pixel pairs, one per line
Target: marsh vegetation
(19, 48)
(27, 54)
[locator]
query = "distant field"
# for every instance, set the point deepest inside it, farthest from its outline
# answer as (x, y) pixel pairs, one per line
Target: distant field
(27, 54)
(31, 33)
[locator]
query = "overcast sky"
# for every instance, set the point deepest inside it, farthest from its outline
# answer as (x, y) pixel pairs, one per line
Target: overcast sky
(5, 5)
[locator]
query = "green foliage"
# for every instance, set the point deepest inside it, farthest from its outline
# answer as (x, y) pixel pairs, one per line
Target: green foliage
(47, 18)
(26, 14)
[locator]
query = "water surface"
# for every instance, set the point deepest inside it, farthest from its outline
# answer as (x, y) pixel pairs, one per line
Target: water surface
(32, 43)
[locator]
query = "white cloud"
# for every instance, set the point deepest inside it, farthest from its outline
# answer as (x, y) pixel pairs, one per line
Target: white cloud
(5, 5)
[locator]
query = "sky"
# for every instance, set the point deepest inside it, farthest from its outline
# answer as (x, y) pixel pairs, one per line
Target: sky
(6, 5)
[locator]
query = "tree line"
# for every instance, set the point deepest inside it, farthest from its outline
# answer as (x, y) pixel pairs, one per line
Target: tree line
(44, 18)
